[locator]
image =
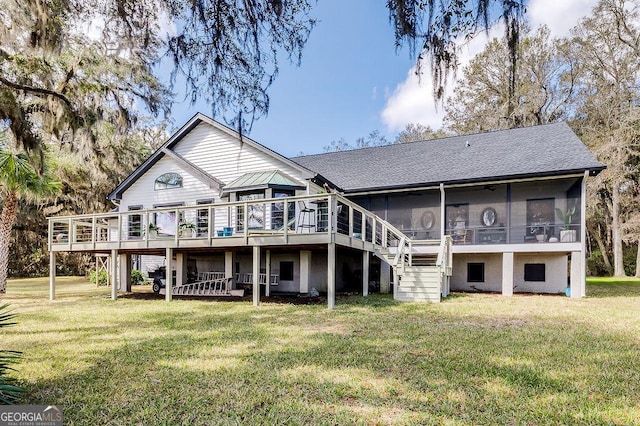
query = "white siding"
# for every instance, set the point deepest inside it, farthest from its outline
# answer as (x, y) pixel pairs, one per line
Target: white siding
(225, 157)
(215, 152)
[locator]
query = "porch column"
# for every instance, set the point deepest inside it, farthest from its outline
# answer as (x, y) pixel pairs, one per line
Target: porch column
(305, 268)
(331, 275)
(583, 235)
(385, 277)
(168, 288)
(576, 282)
(52, 275)
(125, 272)
(365, 273)
(228, 264)
(267, 271)
(507, 274)
(256, 275)
(114, 274)
(181, 269)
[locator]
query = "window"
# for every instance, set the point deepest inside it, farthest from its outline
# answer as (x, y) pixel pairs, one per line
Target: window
(134, 230)
(165, 221)
(475, 272)
(277, 210)
(256, 212)
(168, 181)
(286, 271)
(534, 272)
(202, 218)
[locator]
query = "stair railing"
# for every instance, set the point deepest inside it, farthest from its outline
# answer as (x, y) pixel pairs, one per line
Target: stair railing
(445, 263)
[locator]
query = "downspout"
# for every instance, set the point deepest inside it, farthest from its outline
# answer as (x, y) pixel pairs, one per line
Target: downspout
(442, 211)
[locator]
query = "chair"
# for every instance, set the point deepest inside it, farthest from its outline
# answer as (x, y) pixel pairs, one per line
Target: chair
(306, 215)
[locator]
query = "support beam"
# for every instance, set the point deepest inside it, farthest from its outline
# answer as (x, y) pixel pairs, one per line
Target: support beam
(228, 264)
(256, 275)
(114, 274)
(331, 275)
(52, 275)
(365, 273)
(507, 274)
(125, 272)
(168, 288)
(305, 270)
(267, 270)
(583, 235)
(575, 281)
(181, 269)
(385, 277)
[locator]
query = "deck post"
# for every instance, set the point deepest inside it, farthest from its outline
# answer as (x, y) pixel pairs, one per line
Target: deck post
(365, 273)
(385, 277)
(267, 270)
(52, 275)
(331, 275)
(256, 275)
(305, 270)
(507, 274)
(228, 265)
(114, 274)
(125, 272)
(181, 269)
(168, 288)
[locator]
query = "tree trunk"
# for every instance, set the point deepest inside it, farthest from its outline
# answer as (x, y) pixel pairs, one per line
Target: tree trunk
(603, 251)
(638, 261)
(618, 259)
(7, 218)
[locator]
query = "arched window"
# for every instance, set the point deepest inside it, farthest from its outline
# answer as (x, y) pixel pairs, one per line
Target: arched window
(168, 181)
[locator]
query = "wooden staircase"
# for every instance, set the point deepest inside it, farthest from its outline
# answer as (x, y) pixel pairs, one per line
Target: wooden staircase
(419, 276)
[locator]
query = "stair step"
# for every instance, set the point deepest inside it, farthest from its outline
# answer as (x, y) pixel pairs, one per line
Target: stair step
(412, 298)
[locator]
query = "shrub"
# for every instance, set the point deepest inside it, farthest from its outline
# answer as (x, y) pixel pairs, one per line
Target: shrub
(9, 391)
(136, 277)
(103, 277)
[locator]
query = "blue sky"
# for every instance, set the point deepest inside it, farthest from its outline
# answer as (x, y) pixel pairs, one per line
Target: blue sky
(352, 80)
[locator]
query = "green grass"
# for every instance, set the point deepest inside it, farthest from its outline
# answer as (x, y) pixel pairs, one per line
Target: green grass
(473, 359)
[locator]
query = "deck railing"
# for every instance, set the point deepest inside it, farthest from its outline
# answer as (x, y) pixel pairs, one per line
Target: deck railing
(310, 214)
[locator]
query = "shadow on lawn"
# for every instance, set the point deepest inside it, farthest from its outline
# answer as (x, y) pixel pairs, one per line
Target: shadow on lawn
(613, 289)
(252, 367)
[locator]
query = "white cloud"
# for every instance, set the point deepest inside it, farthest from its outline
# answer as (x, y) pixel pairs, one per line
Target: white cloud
(559, 15)
(412, 100)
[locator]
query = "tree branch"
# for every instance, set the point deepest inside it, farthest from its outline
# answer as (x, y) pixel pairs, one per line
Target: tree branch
(38, 90)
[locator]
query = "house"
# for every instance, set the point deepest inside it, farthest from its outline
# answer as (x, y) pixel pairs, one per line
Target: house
(499, 212)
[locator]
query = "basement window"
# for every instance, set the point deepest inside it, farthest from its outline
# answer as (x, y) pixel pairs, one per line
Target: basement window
(534, 272)
(475, 272)
(286, 271)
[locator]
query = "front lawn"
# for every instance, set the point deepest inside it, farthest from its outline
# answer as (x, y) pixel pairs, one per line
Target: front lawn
(473, 359)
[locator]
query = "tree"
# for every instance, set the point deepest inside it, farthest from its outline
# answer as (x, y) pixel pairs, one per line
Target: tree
(436, 29)
(18, 179)
(609, 112)
(57, 82)
(544, 86)
(373, 139)
(414, 132)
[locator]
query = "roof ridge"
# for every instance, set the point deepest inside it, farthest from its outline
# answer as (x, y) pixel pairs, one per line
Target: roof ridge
(431, 140)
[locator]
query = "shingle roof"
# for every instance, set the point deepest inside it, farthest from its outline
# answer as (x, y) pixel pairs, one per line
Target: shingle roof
(550, 149)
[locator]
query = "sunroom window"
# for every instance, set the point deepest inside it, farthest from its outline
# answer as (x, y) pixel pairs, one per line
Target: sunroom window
(168, 181)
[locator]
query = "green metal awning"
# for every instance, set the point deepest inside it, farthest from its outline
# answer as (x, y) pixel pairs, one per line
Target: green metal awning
(262, 180)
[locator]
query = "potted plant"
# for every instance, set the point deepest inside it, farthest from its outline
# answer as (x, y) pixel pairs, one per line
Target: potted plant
(567, 235)
(153, 230)
(187, 229)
